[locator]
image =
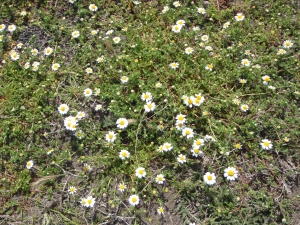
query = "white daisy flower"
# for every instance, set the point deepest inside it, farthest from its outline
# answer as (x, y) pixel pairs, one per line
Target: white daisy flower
(63, 109)
(181, 118)
(209, 67)
(209, 178)
(79, 134)
(14, 55)
(98, 107)
(189, 101)
(93, 7)
(176, 4)
(109, 32)
(231, 173)
(245, 62)
(75, 34)
(2, 27)
(201, 11)
(90, 201)
(87, 92)
(19, 45)
(27, 65)
(55, 66)
(11, 28)
(266, 144)
(189, 50)
(266, 79)
(110, 136)
(165, 9)
(87, 167)
(122, 123)
(100, 59)
(124, 79)
(179, 125)
(198, 143)
(176, 28)
(48, 51)
(140, 172)
(80, 115)
(187, 132)
(158, 85)
(287, 44)
(34, 51)
(244, 108)
(122, 187)
(180, 22)
(89, 70)
(160, 211)
(226, 25)
(174, 65)
(204, 38)
(72, 190)
(116, 40)
(196, 152)
(29, 164)
(150, 106)
(239, 17)
(147, 96)
(134, 200)
(181, 158)
(160, 179)
(124, 154)
(167, 147)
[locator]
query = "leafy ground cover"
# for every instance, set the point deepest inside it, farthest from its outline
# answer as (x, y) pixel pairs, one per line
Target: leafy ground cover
(149, 112)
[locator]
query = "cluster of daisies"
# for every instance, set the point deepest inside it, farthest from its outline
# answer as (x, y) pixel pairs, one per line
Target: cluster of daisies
(195, 100)
(71, 122)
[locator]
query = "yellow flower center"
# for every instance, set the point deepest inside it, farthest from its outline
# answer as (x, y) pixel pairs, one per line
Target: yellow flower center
(29, 164)
(133, 199)
(110, 136)
(124, 154)
(209, 177)
(141, 172)
(90, 201)
(122, 122)
(196, 151)
(198, 142)
(230, 173)
(266, 144)
(159, 178)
